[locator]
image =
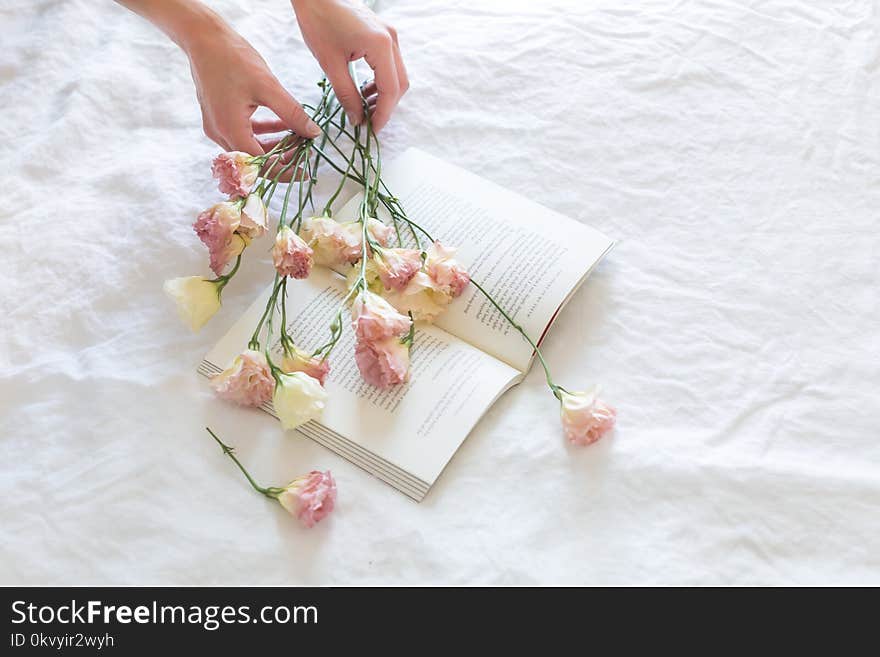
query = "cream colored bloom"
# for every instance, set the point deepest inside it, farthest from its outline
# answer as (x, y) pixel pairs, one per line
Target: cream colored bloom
(298, 398)
(374, 283)
(332, 243)
(337, 243)
(197, 299)
(254, 217)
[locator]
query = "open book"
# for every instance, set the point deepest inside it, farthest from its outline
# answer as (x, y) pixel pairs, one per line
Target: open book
(529, 258)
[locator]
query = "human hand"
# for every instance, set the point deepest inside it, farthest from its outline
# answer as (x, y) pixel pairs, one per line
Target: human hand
(341, 31)
(232, 80)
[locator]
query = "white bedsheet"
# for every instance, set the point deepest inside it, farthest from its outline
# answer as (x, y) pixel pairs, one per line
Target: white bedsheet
(731, 146)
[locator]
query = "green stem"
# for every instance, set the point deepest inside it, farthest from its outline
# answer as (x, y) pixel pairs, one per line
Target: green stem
(254, 341)
(335, 327)
(396, 210)
(270, 492)
(270, 189)
(303, 154)
(224, 279)
(345, 176)
(386, 199)
(286, 340)
(553, 387)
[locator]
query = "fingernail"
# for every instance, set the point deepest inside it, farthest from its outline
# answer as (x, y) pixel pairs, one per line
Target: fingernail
(314, 130)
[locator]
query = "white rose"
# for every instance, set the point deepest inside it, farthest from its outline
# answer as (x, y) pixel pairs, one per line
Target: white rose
(298, 398)
(197, 299)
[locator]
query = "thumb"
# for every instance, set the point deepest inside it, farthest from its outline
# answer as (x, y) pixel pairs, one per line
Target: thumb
(346, 91)
(290, 112)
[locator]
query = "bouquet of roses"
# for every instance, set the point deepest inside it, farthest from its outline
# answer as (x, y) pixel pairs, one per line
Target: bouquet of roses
(398, 276)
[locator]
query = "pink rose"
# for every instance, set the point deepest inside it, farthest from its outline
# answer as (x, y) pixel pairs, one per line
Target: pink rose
(247, 381)
(445, 270)
(310, 498)
(291, 255)
(216, 227)
(298, 361)
(396, 267)
(383, 363)
(236, 172)
(585, 418)
(375, 319)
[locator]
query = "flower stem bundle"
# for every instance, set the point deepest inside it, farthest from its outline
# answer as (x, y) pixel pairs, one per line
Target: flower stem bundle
(398, 276)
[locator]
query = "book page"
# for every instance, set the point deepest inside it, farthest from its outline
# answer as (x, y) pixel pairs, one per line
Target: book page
(529, 258)
(416, 426)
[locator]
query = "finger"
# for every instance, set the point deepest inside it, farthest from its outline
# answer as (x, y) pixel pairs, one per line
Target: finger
(222, 143)
(217, 139)
(346, 91)
(268, 143)
(381, 60)
(234, 125)
(240, 138)
(267, 126)
(212, 134)
(371, 102)
(289, 111)
(369, 88)
(402, 77)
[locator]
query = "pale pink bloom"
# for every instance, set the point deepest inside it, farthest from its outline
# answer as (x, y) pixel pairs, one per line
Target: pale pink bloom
(247, 381)
(396, 267)
(445, 270)
(380, 232)
(236, 172)
(585, 418)
(337, 243)
(299, 361)
(423, 297)
(383, 363)
(254, 217)
(216, 227)
(310, 498)
(429, 292)
(291, 255)
(332, 243)
(375, 319)
(381, 355)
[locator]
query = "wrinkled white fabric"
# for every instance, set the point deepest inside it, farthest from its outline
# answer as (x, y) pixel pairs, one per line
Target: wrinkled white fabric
(732, 147)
